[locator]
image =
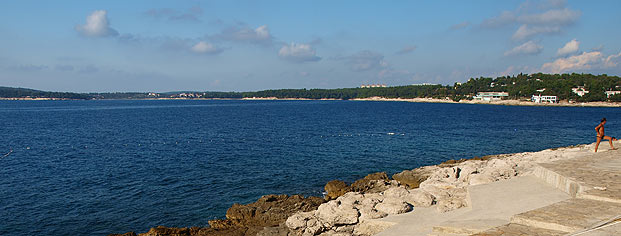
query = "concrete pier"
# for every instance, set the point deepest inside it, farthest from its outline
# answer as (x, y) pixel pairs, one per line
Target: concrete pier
(577, 196)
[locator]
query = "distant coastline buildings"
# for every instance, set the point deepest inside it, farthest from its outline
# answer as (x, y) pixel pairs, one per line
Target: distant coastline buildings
(543, 99)
(373, 86)
(491, 96)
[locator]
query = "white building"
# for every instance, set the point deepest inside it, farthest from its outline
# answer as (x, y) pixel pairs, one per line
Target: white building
(580, 91)
(612, 93)
(491, 96)
(543, 99)
(373, 86)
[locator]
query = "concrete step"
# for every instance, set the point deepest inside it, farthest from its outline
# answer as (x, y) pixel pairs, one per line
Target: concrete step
(559, 181)
(593, 177)
(519, 230)
(570, 215)
(467, 227)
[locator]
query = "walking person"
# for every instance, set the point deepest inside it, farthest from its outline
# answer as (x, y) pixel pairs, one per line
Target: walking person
(600, 135)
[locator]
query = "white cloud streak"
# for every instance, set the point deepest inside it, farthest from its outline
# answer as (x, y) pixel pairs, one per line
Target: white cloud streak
(528, 48)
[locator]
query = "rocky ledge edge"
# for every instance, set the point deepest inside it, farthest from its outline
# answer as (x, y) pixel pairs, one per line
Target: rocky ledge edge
(352, 209)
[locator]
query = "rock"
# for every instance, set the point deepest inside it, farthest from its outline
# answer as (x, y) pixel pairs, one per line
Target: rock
(299, 220)
(396, 192)
(165, 231)
(351, 198)
(335, 189)
(477, 179)
(413, 178)
(369, 212)
(369, 228)
(449, 204)
(280, 230)
(419, 198)
(271, 210)
(125, 234)
(372, 183)
(393, 206)
(334, 213)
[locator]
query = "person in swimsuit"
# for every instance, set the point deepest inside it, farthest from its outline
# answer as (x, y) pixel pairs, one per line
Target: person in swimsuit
(600, 135)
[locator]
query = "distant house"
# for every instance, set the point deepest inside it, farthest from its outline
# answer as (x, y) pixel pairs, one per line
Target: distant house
(580, 91)
(543, 99)
(611, 93)
(373, 86)
(491, 96)
(541, 90)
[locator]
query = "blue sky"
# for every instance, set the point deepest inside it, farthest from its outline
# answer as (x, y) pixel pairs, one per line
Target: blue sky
(149, 45)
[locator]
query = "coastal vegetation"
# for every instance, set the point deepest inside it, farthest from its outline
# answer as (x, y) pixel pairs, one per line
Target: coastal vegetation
(521, 86)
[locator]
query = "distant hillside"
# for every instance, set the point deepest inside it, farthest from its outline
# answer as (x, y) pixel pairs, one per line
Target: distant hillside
(520, 86)
(8, 92)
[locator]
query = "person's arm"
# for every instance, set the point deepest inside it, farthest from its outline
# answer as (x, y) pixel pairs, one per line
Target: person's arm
(598, 127)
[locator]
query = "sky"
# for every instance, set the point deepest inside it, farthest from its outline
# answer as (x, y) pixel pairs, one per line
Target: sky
(192, 45)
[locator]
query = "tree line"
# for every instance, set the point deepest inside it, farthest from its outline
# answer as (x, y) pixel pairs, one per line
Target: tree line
(521, 86)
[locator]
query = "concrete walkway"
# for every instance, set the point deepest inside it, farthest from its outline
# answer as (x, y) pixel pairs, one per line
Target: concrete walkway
(579, 196)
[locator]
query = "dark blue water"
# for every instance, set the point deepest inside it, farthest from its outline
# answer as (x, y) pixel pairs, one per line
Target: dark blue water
(99, 167)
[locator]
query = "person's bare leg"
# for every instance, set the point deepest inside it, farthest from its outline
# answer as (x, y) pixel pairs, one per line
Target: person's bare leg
(599, 139)
(610, 141)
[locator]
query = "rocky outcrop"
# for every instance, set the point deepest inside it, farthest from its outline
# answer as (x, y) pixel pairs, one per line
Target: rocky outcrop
(265, 216)
(354, 207)
(371, 183)
(413, 178)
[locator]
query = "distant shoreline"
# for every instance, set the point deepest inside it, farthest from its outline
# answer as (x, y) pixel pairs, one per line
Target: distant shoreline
(372, 99)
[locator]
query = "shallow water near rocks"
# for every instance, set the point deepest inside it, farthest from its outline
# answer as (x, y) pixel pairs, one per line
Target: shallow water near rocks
(99, 167)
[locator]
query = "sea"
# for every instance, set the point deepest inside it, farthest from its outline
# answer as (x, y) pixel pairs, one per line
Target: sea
(112, 166)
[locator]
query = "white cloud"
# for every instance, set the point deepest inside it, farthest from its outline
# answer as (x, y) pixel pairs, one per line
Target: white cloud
(612, 60)
(535, 18)
(528, 48)
(97, 25)
(205, 48)
(298, 53)
(526, 31)
(563, 16)
(260, 35)
(406, 50)
(584, 61)
(570, 47)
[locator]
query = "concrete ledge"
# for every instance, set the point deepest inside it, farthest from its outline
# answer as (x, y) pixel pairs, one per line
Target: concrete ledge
(559, 181)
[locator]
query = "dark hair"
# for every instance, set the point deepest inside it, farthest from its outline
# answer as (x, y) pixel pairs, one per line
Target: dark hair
(603, 119)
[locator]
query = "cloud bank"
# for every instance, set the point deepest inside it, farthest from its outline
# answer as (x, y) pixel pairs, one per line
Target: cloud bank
(584, 61)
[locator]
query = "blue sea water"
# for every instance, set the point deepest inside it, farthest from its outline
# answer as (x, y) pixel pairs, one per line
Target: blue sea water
(100, 167)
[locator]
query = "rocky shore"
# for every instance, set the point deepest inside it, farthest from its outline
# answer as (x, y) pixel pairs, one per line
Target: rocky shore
(351, 209)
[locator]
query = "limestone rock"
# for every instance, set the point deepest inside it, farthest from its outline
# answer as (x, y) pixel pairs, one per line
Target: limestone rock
(419, 198)
(393, 206)
(334, 213)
